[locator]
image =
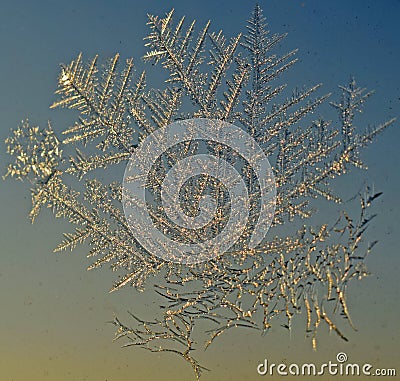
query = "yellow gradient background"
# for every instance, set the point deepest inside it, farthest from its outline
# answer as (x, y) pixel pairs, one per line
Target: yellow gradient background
(53, 313)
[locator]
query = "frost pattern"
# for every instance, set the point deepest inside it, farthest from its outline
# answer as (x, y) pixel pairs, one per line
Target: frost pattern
(296, 270)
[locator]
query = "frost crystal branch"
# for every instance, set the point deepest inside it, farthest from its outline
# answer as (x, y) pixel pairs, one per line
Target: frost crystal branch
(298, 269)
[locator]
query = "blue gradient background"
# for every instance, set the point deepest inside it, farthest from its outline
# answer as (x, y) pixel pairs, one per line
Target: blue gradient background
(53, 312)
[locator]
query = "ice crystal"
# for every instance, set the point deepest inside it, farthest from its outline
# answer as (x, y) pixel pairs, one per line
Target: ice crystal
(304, 269)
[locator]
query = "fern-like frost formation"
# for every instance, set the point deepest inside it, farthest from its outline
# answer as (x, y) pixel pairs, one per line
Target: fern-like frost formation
(298, 269)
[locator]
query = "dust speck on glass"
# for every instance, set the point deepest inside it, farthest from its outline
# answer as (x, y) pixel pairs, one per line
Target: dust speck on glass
(218, 193)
